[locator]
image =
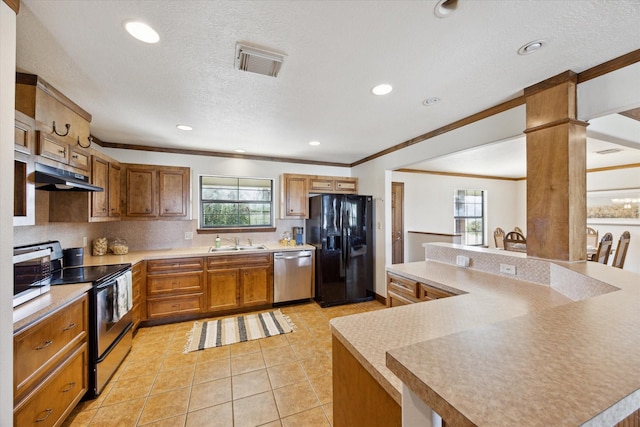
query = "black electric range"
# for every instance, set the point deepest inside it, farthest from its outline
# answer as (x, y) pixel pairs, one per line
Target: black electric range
(95, 274)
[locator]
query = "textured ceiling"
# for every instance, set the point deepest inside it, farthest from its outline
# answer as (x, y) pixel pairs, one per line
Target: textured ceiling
(336, 52)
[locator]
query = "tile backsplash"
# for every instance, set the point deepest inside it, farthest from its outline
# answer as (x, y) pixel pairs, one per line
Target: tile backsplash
(141, 235)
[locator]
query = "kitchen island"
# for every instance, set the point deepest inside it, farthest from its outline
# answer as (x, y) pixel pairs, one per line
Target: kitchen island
(557, 349)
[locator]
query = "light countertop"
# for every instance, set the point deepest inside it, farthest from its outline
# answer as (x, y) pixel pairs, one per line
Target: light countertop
(29, 312)
(506, 350)
(137, 256)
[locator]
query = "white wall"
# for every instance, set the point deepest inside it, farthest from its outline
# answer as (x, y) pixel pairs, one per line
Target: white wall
(7, 117)
(429, 202)
(375, 176)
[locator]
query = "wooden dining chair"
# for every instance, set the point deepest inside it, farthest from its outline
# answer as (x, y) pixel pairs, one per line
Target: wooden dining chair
(621, 250)
(592, 240)
(498, 238)
(515, 241)
(604, 249)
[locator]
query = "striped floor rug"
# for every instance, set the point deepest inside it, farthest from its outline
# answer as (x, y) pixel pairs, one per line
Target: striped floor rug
(216, 333)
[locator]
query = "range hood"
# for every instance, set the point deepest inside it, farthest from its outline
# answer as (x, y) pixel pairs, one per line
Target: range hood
(49, 178)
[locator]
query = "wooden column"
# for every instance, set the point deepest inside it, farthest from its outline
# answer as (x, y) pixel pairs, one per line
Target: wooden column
(556, 171)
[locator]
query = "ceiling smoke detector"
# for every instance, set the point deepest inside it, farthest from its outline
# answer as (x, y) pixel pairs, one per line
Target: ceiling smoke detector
(259, 61)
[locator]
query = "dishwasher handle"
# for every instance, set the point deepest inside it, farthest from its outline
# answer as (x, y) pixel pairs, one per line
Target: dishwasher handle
(280, 255)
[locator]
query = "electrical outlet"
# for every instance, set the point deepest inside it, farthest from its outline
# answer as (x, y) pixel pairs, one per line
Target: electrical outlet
(188, 235)
(84, 242)
(462, 261)
(508, 269)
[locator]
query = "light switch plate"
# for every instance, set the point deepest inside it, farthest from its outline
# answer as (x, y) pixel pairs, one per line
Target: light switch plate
(188, 235)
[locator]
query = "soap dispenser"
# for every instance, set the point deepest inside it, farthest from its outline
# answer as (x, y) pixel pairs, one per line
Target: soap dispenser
(217, 241)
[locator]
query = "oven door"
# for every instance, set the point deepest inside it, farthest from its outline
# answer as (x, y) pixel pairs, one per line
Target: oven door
(112, 313)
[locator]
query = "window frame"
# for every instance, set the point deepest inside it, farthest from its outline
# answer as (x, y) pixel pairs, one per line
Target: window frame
(482, 217)
(234, 228)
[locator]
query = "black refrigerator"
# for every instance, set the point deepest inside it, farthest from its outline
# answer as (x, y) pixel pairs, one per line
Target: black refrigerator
(341, 229)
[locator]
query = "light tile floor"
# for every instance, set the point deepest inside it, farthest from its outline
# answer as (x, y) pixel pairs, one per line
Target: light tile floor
(278, 381)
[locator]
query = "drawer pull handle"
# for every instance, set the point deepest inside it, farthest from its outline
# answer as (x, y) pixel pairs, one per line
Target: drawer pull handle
(175, 306)
(48, 412)
(68, 126)
(45, 345)
(71, 326)
(75, 156)
(70, 387)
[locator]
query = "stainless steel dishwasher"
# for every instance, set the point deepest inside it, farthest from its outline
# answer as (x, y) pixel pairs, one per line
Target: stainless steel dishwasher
(292, 276)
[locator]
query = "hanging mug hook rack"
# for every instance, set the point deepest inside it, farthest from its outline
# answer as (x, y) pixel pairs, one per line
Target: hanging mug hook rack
(68, 126)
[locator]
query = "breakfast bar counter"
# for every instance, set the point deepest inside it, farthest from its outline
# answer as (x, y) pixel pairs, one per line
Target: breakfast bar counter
(505, 351)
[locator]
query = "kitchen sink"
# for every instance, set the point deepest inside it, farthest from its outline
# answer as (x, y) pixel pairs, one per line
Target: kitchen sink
(236, 248)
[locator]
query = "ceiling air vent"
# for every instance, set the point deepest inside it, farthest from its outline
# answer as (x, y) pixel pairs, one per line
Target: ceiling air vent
(260, 61)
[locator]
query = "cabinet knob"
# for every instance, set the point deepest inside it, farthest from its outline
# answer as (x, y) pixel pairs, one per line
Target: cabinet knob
(69, 387)
(147, 210)
(75, 156)
(48, 412)
(45, 345)
(62, 151)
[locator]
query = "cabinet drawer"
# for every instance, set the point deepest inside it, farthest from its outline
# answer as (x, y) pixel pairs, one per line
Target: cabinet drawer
(402, 286)
(320, 184)
(174, 283)
(79, 159)
(175, 264)
(429, 293)
(137, 270)
(395, 299)
(40, 347)
(347, 186)
(240, 260)
(51, 148)
(164, 307)
(57, 396)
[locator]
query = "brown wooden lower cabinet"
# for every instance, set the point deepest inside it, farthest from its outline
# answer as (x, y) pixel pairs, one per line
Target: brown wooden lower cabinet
(633, 420)
(138, 289)
(50, 365)
(358, 399)
(239, 281)
(402, 291)
(175, 287)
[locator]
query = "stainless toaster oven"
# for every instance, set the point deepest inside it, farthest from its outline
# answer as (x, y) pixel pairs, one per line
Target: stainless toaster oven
(31, 274)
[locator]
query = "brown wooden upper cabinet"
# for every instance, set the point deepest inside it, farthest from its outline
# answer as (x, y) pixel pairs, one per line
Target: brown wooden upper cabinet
(105, 174)
(295, 190)
(55, 114)
(155, 192)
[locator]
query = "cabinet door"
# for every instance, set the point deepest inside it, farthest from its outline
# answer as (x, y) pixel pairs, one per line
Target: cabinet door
(79, 158)
(347, 185)
(174, 192)
(223, 290)
(256, 288)
(320, 184)
(51, 148)
(141, 192)
(23, 133)
(296, 197)
(114, 190)
(99, 177)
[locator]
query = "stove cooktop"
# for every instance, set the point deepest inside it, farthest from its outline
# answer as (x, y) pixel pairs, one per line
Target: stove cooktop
(94, 274)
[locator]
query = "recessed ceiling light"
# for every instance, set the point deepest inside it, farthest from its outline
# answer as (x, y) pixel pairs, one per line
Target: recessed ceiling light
(382, 89)
(314, 143)
(184, 127)
(531, 47)
(142, 31)
(431, 101)
(445, 7)
(240, 150)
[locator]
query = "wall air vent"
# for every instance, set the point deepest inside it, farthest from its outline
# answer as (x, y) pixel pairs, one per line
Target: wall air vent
(609, 151)
(256, 60)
